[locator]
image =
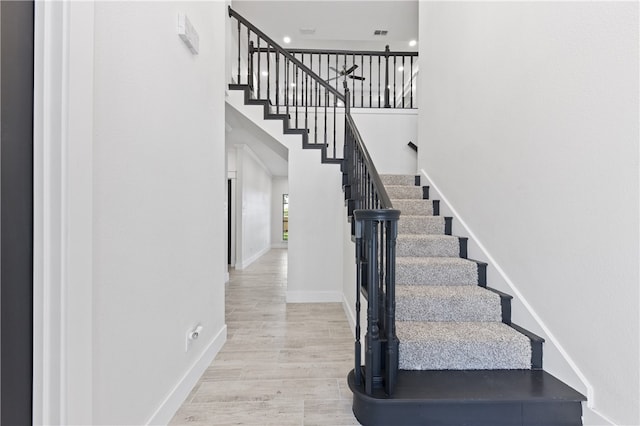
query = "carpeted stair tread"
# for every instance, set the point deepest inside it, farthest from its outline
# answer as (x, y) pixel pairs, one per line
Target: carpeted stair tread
(444, 320)
(447, 303)
(436, 271)
(409, 224)
(427, 245)
(403, 192)
(461, 346)
(406, 180)
(413, 207)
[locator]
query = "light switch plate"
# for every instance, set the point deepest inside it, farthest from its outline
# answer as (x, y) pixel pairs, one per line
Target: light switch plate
(188, 33)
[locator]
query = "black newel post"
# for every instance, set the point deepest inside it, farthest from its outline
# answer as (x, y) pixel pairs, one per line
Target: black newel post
(250, 72)
(386, 77)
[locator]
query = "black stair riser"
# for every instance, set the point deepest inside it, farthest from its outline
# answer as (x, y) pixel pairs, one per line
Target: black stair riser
(326, 160)
(258, 102)
(472, 398)
(472, 414)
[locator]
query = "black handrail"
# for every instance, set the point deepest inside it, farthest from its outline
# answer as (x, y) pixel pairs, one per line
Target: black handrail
(283, 52)
(342, 52)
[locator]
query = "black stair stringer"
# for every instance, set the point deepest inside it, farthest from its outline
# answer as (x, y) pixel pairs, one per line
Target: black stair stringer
(436, 207)
(505, 304)
(470, 397)
(463, 246)
(447, 225)
(425, 192)
(536, 346)
(482, 272)
(286, 129)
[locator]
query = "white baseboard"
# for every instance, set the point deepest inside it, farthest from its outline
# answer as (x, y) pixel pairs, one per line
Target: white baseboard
(591, 417)
(350, 312)
(179, 393)
(314, 297)
(243, 264)
(226, 277)
(281, 245)
(486, 256)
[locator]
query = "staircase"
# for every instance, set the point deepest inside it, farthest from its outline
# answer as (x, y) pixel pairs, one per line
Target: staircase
(461, 360)
(440, 348)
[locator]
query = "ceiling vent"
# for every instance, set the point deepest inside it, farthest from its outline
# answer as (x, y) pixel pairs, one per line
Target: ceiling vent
(380, 32)
(307, 31)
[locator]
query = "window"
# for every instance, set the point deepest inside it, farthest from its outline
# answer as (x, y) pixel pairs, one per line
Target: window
(285, 217)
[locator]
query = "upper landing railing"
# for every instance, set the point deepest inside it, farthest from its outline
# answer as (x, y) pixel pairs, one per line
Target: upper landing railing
(308, 104)
(376, 79)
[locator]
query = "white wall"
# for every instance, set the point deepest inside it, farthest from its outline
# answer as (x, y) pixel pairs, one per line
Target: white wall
(315, 215)
(386, 134)
(253, 207)
(315, 228)
(529, 127)
(159, 192)
(279, 186)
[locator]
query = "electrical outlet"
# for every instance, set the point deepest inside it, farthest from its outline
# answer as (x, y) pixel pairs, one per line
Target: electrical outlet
(192, 335)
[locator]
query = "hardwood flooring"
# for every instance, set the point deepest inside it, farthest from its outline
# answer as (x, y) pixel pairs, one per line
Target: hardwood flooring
(282, 364)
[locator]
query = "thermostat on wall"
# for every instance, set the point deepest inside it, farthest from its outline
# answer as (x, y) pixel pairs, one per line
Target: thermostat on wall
(188, 34)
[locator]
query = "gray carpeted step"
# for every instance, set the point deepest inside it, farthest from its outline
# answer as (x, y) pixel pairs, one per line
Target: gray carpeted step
(421, 224)
(461, 346)
(411, 245)
(402, 192)
(465, 303)
(436, 271)
(407, 180)
(414, 207)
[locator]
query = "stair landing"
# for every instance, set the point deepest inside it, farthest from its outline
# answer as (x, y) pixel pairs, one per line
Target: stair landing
(471, 397)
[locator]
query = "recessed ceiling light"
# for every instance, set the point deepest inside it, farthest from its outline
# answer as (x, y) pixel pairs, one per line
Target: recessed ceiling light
(413, 43)
(287, 39)
(400, 68)
(293, 85)
(265, 73)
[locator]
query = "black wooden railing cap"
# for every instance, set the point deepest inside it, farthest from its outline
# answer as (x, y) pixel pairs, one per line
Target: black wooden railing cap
(379, 214)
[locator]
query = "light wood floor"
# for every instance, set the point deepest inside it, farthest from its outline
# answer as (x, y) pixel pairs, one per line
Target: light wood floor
(283, 364)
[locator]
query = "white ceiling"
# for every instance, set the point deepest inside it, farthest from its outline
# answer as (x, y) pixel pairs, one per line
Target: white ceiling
(338, 25)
